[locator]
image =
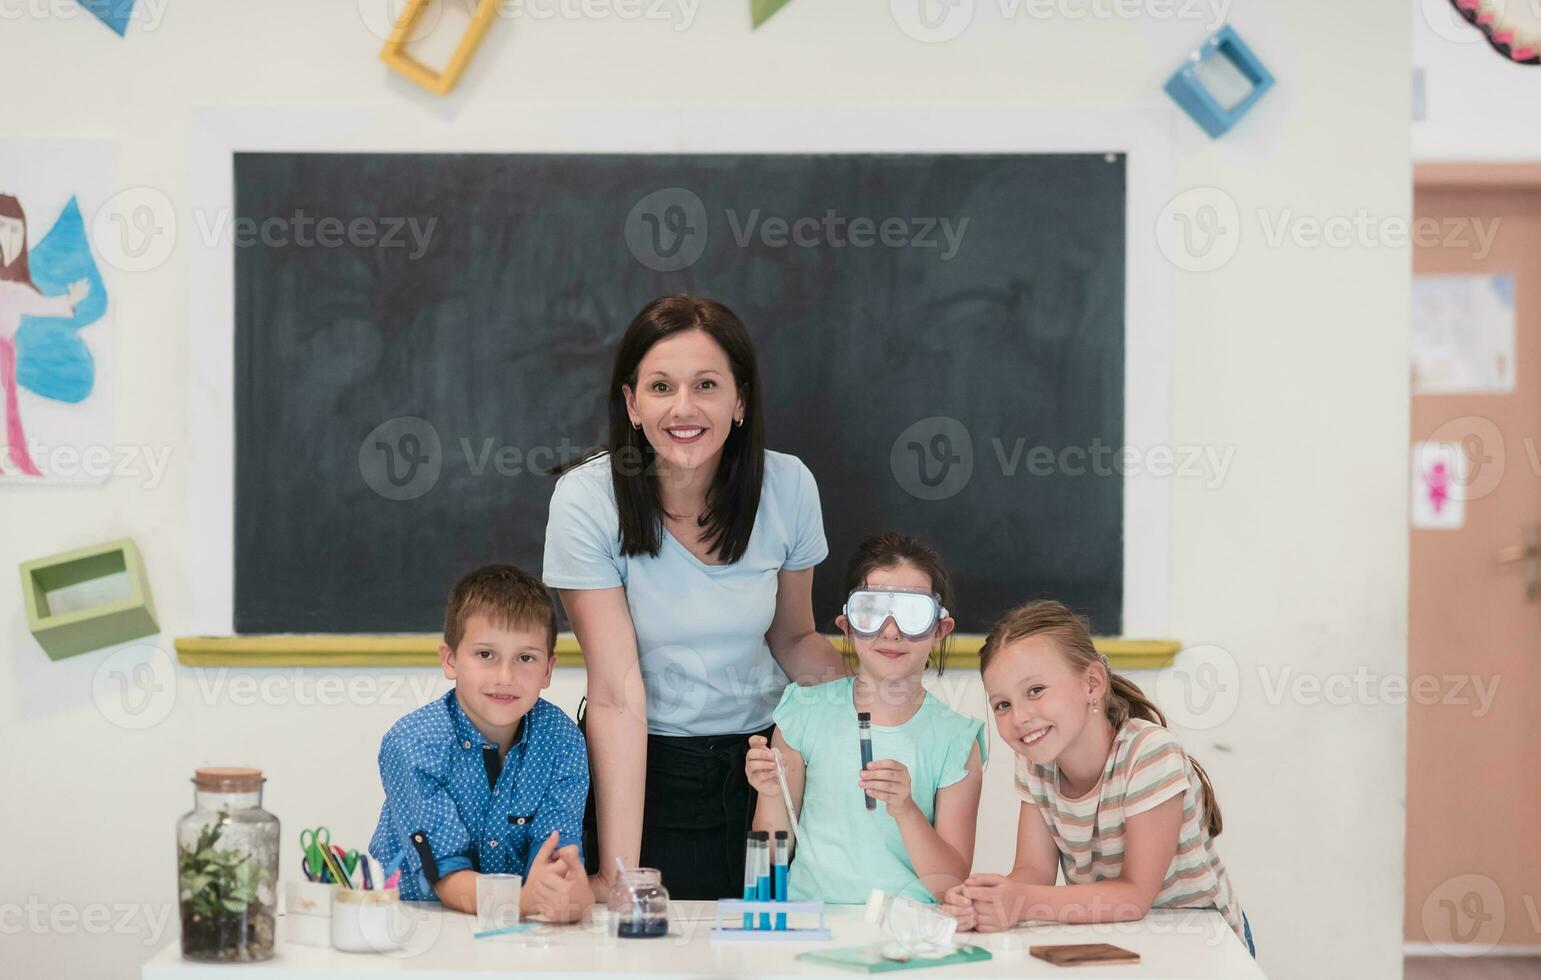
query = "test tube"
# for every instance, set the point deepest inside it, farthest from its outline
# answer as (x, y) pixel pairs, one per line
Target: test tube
(864, 728)
(779, 876)
(763, 883)
(751, 876)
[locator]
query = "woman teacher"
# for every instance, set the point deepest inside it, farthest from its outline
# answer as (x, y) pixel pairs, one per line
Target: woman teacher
(683, 554)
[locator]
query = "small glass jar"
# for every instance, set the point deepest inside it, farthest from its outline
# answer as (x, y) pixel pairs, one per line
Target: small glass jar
(227, 868)
(639, 905)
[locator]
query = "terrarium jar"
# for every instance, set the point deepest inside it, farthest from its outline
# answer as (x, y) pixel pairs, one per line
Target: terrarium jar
(227, 868)
(639, 905)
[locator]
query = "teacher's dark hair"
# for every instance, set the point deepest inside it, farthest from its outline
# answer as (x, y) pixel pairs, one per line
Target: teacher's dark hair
(734, 497)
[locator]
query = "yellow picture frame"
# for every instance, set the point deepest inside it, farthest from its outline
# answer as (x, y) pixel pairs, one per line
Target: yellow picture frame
(395, 52)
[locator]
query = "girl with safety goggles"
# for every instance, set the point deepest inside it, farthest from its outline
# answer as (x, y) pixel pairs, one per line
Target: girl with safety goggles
(903, 823)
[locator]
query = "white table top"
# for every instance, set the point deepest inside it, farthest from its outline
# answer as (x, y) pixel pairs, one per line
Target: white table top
(1171, 944)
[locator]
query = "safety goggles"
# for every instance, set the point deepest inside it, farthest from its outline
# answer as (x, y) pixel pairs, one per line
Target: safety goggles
(915, 613)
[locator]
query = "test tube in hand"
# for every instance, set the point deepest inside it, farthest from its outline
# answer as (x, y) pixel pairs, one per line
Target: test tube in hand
(864, 728)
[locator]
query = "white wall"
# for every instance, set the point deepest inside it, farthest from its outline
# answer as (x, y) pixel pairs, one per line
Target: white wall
(1479, 105)
(1291, 354)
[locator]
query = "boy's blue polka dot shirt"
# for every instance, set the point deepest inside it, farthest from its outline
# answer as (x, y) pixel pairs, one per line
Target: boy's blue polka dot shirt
(451, 805)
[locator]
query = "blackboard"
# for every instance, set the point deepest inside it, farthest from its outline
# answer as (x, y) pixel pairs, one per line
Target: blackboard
(447, 322)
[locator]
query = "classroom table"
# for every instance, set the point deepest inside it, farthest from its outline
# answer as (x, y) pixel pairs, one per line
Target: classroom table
(1171, 944)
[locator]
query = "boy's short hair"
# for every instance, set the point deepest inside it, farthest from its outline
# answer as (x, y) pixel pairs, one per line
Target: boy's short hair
(505, 595)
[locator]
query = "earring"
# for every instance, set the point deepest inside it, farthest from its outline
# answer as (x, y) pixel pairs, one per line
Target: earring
(636, 425)
(739, 423)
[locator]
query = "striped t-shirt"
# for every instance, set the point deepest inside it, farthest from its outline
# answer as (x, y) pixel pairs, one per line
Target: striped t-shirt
(1145, 768)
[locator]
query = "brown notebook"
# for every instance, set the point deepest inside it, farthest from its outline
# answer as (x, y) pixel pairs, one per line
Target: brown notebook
(1084, 954)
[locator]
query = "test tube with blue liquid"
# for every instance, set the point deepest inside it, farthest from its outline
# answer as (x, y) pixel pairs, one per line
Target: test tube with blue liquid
(763, 864)
(779, 876)
(864, 729)
(751, 876)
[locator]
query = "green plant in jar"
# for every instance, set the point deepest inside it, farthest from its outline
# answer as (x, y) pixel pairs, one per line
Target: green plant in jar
(225, 884)
(218, 882)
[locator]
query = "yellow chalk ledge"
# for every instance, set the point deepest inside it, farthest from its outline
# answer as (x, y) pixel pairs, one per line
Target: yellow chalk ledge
(421, 650)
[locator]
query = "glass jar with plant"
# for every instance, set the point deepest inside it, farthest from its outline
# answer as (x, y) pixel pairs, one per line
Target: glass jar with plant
(227, 868)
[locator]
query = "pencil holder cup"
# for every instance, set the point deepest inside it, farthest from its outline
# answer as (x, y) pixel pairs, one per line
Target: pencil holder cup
(307, 913)
(366, 920)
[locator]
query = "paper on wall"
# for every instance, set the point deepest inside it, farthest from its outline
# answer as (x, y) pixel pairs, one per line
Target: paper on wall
(56, 361)
(1463, 335)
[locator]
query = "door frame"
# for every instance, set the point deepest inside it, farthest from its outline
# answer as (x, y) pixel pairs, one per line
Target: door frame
(1474, 175)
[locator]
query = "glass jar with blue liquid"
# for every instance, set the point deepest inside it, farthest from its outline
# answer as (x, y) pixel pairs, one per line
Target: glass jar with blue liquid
(639, 905)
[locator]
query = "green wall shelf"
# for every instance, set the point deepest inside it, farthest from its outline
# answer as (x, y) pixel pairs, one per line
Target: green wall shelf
(87, 599)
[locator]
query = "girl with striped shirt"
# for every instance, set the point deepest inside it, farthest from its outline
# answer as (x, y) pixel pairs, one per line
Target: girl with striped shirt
(1108, 795)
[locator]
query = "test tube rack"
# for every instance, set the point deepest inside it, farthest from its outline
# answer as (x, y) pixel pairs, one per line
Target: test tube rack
(734, 910)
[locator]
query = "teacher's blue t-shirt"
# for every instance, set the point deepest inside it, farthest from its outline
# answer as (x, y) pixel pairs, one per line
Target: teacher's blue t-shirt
(700, 628)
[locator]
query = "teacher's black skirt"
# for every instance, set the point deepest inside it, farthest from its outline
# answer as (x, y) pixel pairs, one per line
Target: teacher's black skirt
(697, 809)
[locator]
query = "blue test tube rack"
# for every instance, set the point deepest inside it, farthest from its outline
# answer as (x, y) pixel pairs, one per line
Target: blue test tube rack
(728, 909)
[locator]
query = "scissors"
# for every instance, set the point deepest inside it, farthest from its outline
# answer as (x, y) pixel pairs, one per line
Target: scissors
(305, 867)
(313, 842)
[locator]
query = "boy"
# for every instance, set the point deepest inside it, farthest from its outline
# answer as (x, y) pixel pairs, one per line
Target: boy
(490, 777)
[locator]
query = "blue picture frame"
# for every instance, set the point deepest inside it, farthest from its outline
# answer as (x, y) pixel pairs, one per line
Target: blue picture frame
(1188, 90)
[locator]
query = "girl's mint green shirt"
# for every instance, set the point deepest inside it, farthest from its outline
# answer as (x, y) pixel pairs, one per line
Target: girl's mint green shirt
(847, 850)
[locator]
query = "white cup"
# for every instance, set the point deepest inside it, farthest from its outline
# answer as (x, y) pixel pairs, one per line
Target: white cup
(366, 921)
(497, 901)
